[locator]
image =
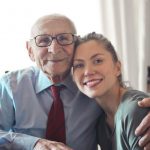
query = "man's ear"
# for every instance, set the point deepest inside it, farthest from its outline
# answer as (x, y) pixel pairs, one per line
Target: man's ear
(30, 50)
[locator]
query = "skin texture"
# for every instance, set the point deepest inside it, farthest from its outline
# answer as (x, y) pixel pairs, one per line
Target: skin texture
(43, 144)
(54, 60)
(96, 74)
(144, 126)
(94, 69)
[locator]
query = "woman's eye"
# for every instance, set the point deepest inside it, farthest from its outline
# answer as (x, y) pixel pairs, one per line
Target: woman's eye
(98, 61)
(75, 66)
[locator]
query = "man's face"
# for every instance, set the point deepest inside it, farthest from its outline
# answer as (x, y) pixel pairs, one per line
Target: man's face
(54, 60)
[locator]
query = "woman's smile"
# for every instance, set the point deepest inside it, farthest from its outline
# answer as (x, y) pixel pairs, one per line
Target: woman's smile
(92, 83)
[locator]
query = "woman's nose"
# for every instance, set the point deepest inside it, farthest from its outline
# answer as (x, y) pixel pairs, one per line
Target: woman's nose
(89, 71)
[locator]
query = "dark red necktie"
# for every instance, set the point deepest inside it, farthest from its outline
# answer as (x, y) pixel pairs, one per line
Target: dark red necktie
(56, 122)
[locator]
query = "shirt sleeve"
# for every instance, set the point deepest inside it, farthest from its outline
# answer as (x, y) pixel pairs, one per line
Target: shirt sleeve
(16, 141)
(8, 138)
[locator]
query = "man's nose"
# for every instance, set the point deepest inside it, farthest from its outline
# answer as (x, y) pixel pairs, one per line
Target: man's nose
(54, 47)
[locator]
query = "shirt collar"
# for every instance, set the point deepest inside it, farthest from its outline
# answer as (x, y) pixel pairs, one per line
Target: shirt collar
(42, 82)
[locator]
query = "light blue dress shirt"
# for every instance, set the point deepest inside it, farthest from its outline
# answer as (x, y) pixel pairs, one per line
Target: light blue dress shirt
(25, 101)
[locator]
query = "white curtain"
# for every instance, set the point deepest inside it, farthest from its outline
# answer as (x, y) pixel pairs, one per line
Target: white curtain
(126, 23)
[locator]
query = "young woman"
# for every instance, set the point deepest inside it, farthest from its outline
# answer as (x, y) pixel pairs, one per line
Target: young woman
(97, 73)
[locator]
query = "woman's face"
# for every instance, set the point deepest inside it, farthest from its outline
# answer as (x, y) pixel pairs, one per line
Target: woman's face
(94, 70)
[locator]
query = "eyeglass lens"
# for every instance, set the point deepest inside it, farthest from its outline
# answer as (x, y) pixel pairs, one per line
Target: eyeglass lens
(62, 39)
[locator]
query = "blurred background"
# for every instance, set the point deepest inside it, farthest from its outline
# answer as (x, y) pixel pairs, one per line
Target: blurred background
(126, 23)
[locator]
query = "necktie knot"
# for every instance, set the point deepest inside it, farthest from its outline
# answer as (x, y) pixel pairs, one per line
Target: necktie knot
(55, 91)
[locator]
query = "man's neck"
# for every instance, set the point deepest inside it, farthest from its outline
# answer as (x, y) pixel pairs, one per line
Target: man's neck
(56, 79)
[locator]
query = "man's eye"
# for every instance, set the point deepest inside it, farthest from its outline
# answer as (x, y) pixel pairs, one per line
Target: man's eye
(44, 40)
(62, 38)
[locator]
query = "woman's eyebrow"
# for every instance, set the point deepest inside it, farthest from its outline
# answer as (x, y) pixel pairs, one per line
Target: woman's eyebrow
(95, 55)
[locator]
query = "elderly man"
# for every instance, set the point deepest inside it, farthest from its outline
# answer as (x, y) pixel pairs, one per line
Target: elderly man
(26, 96)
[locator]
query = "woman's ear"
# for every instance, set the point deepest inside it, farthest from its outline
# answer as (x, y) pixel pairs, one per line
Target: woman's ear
(118, 68)
(30, 50)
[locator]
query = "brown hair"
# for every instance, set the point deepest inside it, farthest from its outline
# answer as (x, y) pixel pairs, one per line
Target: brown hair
(105, 42)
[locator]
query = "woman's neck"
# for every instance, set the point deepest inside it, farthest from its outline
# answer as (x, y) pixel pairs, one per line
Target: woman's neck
(110, 102)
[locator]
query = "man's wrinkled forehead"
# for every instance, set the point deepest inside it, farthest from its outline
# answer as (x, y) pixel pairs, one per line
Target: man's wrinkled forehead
(51, 26)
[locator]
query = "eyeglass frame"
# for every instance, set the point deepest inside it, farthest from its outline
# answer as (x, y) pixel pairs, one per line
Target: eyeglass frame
(55, 37)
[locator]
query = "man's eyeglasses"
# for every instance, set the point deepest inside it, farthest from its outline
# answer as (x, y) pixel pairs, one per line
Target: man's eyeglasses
(63, 39)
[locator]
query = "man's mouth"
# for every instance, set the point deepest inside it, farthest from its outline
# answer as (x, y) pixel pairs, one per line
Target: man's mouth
(55, 60)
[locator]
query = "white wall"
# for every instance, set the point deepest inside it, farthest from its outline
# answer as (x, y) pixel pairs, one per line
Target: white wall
(17, 16)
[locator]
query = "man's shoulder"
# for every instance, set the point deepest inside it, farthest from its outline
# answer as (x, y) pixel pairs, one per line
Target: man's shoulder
(19, 76)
